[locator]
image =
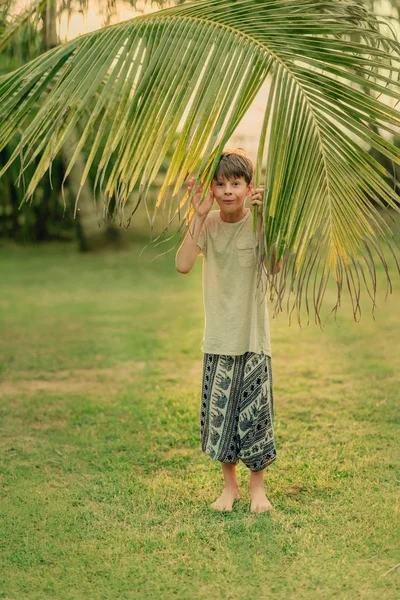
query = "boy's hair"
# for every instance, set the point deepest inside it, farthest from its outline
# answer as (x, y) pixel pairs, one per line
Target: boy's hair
(234, 163)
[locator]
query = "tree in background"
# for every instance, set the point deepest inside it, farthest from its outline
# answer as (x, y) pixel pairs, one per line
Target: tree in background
(23, 37)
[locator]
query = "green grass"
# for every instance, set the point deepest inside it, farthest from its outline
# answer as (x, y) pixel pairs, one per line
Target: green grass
(105, 490)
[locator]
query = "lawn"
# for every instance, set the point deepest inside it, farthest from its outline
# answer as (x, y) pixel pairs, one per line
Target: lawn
(105, 490)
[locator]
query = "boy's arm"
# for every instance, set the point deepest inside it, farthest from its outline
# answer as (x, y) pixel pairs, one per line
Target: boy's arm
(189, 250)
(256, 200)
(273, 266)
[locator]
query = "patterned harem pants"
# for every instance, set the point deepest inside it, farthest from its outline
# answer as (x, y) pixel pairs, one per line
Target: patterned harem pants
(237, 409)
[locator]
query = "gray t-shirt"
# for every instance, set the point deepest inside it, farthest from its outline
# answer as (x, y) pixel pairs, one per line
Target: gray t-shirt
(236, 313)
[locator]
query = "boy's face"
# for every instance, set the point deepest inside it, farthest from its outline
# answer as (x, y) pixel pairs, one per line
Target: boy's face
(231, 194)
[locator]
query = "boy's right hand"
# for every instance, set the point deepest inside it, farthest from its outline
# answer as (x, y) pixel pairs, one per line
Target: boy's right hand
(204, 208)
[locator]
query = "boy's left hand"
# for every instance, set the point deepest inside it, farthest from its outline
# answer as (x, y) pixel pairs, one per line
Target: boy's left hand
(256, 199)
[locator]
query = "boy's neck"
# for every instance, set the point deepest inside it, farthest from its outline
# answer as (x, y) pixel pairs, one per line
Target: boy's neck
(233, 217)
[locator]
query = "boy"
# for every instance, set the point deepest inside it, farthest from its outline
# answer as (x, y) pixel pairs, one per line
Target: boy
(237, 404)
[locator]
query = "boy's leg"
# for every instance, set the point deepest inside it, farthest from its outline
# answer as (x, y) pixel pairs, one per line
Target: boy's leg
(218, 420)
(259, 501)
(231, 487)
(256, 426)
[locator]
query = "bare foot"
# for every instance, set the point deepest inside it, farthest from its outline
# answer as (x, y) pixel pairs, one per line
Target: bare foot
(226, 500)
(259, 501)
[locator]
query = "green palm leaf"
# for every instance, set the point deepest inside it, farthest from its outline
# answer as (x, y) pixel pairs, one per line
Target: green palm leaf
(9, 27)
(193, 71)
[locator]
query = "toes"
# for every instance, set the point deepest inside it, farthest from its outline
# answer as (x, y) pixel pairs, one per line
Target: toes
(225, 504)
(221, 508)
(259, 508)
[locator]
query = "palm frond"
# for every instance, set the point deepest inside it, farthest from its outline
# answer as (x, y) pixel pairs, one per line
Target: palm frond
(190, 73)
(10, 27)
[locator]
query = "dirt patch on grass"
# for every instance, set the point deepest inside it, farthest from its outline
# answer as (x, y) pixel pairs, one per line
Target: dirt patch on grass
(71, 381)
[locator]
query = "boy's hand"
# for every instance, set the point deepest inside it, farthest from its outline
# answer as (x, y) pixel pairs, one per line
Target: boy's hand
(204, 208)
(256, 199)
(275, 267)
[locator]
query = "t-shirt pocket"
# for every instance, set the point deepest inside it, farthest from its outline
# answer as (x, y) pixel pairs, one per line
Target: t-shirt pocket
(247, 253)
